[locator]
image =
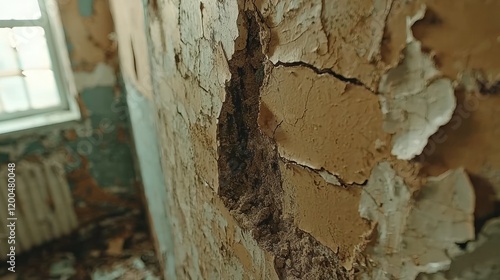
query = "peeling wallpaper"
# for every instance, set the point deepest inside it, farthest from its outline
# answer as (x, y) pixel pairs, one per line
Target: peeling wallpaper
(327, 139)
(98, 152)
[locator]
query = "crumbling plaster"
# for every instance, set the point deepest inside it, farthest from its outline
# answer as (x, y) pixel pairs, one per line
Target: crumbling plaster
(280, 120)
(194, 91)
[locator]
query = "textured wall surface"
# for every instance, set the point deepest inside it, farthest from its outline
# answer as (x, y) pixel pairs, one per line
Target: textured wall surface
(328, 139)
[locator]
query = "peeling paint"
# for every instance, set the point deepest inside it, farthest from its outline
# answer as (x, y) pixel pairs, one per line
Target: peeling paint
(88, 36)
(414, 98)
(480, 262)
(470, 126)
(415, 102)
(416, 236)
(344, 36)
(329, 178)
(265, 107)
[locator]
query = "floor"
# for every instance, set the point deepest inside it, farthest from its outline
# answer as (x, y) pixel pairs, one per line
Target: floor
(115, 248)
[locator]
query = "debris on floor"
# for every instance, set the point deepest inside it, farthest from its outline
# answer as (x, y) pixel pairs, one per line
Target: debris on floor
(116, 248)
(130, 269)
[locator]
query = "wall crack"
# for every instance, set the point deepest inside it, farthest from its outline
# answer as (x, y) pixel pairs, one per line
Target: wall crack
(327, 71)
(249, 173)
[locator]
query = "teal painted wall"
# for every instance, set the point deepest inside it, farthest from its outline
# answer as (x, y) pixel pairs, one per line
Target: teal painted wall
(98, 146)
(142, 116)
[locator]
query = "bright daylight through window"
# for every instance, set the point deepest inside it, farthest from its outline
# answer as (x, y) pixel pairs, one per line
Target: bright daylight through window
(36, 83)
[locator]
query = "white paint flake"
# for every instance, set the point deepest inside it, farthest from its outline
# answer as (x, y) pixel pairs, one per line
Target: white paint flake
(420, 235)
(414, 99)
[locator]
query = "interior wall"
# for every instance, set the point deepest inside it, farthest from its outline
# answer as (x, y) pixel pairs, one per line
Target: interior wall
(97, 151)
(129, 18)
(328, 139)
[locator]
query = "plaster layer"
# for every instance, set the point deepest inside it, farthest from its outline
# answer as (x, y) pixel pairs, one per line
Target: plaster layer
(315, 121)
(250, 180)
(343, 36)
(190, 71)
(328, 213)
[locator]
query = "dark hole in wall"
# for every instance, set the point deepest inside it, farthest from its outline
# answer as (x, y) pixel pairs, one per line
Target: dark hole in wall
(249, 177)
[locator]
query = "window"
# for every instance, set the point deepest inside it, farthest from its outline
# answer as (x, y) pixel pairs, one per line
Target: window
(36, 81)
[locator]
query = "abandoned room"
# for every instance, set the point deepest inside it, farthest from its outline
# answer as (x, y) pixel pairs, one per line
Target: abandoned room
(250, 139)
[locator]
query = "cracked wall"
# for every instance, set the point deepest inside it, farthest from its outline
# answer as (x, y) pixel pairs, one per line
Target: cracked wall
(327, 139)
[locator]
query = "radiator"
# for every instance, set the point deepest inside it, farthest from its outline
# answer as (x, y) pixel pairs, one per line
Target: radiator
(44, 206)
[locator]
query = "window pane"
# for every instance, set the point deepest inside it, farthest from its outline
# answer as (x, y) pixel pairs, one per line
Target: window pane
(32, 47)
(42, 88)
(19, 9)
(8, 60)
(13, 95)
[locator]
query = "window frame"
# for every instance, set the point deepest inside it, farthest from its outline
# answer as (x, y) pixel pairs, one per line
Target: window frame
(68, 109)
